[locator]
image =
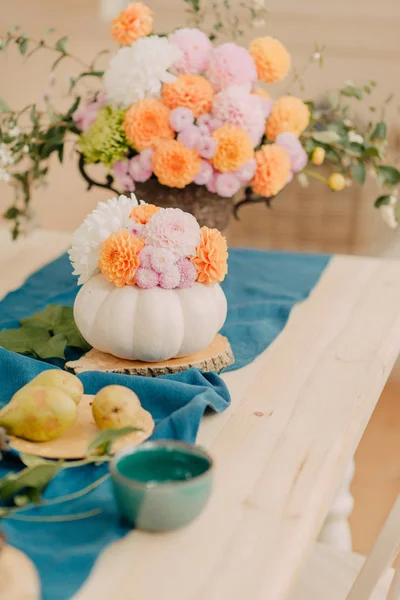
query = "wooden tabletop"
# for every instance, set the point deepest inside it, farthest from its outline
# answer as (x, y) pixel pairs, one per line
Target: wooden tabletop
(281, 449)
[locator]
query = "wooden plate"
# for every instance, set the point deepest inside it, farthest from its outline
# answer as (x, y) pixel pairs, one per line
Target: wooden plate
(216, 357)
(18, 576)
(73, 444)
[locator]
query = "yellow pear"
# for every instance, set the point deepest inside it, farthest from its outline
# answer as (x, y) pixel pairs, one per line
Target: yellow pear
(38, 413)
(116, 406)
(67, 382)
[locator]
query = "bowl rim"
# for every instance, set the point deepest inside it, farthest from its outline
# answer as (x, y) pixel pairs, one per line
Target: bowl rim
(173, 444)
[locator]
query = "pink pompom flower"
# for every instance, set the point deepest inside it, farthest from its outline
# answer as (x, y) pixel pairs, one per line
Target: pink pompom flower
(206, 146)
(161, 259)
(188, 272)
(206, 173)
(181, 118)
(189, 136)
(144, 256)
(121, 173)
(196, 49)
(137, 171)
(84, 116)
(204, 120)
(298, 156)
(146, 159)
(211, 185)
(170, 278)
(227, 184)
(246, 172)
(230, 64)
(146, 278)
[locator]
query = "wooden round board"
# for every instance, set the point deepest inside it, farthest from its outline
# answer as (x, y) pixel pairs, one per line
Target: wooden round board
(18, 576)
(73, 444)
(215, 357)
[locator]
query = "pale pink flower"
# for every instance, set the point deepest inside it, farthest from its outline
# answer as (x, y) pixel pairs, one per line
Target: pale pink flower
(84, 116)
(171, 278)
(227, 184)
(246, 172)
(206, 147)
(137, 171)
(135, 228)
(189, 136)
(298, 156)
(196, 49)
(211, 185)
(120, 171)
(204, 119)
(146, 159)
(144, 256)
(236, 105)
(230, 64)
(173, 229)
(206, 173)
(146, 278)
(161, 258)
(180, 118)
(215, 124)
(187, 271)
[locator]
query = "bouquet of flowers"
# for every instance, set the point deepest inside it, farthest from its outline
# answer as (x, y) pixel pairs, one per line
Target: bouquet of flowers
(178, 112)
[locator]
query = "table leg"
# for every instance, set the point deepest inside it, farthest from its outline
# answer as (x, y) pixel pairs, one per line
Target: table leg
(336, 529)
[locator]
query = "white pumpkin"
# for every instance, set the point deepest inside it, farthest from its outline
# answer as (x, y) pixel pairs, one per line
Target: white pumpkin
(149, 325)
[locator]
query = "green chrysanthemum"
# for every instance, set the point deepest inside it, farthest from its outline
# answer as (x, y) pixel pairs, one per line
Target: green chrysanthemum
(105, 139)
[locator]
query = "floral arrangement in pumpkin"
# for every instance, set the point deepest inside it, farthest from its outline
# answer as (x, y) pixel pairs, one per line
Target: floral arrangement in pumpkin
(139, 244)
(177, 109)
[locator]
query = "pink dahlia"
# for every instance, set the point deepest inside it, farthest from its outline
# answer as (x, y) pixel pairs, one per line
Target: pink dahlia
(170, 278)
(121, 173)
(180, 118)
(173, 229)
(298, 156)
(146, 278)
(229, 64)
(188, 272)
(161, 259)
(196, 49)
(206, 173)
(227, 184)
(236, 105)
(247, 171)
(137, 171)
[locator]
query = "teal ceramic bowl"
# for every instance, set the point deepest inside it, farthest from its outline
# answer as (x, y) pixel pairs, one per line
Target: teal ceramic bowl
(161, 485)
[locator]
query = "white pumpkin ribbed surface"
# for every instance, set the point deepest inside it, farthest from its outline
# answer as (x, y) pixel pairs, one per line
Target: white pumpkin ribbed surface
(149, 325)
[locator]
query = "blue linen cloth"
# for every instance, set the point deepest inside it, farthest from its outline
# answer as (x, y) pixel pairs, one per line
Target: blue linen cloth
(261, 288)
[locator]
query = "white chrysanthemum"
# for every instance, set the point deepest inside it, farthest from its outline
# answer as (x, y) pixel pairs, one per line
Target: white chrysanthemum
(138, 71)
(107, 218)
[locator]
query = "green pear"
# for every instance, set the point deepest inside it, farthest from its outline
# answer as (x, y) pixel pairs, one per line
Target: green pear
(38, 413)
(67, 382)
(116, 406)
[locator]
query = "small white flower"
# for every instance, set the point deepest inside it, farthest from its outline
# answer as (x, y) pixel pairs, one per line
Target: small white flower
(138, 71)
(388, 213)
(355, 137)
(4, 175)
(6, 157)
(107, 218)
(26, 148)
(15, 131)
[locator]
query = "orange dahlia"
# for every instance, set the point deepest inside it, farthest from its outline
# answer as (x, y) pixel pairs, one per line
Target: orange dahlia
(289, 115)
(147, 122)
(271, 58)
(119, 257)
(272, 172)
(132, 23)
(211, 256)
(234, 148)
(174, 164)
(189, 91)
(142, 213)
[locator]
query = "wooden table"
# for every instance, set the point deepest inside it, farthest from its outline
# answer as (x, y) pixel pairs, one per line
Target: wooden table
(281, 450)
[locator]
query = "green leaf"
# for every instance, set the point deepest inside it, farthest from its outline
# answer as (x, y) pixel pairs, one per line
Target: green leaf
(372, 152)
(72, 335)
(48, 31)
(13, 29)
(380, 131)
(32, 115)
(57, 62)
(60, 152)
(355, 147)
(102, 443)
(382, 201)
(23, 340)
(73, 107)
(32, 478)
(48, 318)
(388, 175)
(326, 137)
(352, 91)
(54, 347)
(11, 213)
(23, 45)
(61, 44)
(32, 461)
(4, 106)
(359, 172)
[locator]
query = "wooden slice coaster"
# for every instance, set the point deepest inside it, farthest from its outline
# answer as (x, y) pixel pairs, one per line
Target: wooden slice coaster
(216, 357)
(73, 444)
(18, 576)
